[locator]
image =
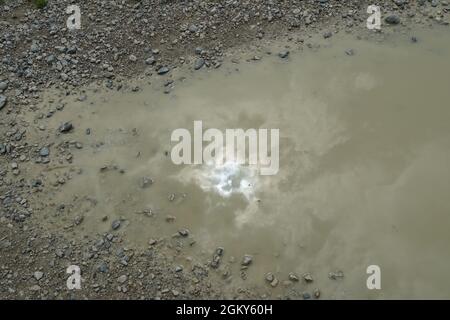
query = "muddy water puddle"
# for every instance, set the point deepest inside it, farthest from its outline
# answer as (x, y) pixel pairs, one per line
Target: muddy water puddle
(364, 169)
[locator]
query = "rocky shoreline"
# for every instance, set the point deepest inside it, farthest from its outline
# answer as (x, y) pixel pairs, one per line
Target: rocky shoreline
(120, 40)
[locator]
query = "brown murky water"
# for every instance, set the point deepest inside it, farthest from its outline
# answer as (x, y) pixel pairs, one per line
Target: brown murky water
(364, 167)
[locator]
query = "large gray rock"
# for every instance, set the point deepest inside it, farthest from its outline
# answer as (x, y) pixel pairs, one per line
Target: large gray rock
(199, 63)
(163, 70)
(3, 100)
(44, 152)
(392, 19)
(283, 54)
